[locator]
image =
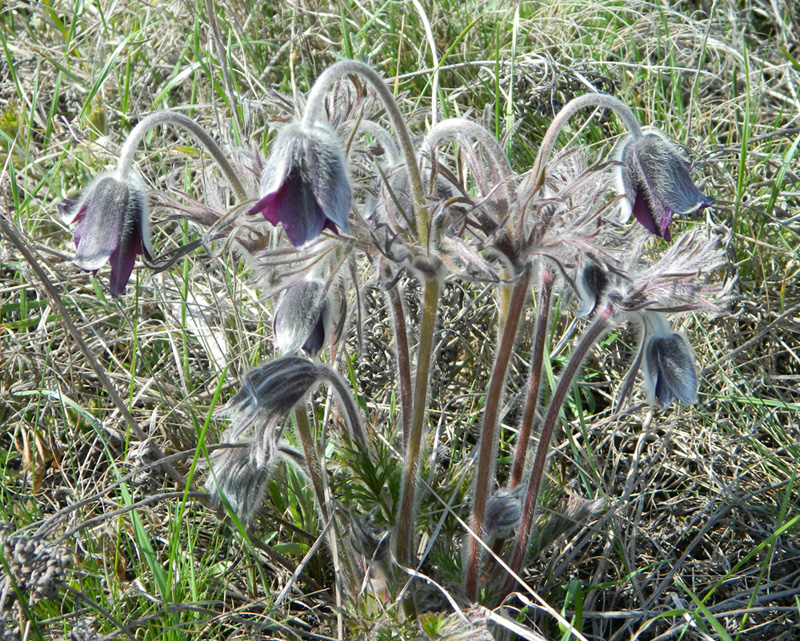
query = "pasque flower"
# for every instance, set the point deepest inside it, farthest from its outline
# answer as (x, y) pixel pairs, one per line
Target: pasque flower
(668, 365)
(304, 185)
(303, 318)
(112, 226)
(655, 177)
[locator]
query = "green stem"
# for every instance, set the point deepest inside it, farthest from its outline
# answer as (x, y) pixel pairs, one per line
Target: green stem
(595, 331)
(487, 453)
(403, 359)
(405, 517)
(315, 102)
(172, 118)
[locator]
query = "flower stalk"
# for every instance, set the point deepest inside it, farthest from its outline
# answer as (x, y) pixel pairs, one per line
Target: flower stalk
(138, 133)
(484, 474)
(590, 337)
(405, 547)
(315, 102)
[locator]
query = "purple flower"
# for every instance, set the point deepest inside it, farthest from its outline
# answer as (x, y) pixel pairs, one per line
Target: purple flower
(303, 318)
(112, 225)
(669, 370)
(655, 178)
(304, 185)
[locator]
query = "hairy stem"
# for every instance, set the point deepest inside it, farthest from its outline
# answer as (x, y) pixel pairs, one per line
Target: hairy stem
(352, 415)
(316, 471)
(535, 379)
(487, 453)
(494, 152)
(314, 104)
(172, 118)
(595, 331)
(570, 109)
(406, 514)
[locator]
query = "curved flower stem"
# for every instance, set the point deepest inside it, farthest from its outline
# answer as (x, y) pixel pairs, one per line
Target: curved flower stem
(314, 104)
(570, 109)
(461, 126)
(535, 379)
(172, 118)
(405, 516)
(403, 359)
(595, 331)
(487, 453)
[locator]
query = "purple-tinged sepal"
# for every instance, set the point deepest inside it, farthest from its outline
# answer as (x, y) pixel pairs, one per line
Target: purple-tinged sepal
(655, 178)
(304, 185)
(113, 226)
(669, 369)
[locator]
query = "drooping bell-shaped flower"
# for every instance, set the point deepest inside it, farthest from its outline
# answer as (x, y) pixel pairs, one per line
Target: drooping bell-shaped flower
(304, 185)
(655, 178)
(669, 367)
(303, 318)
(592, 284)
(112, 226)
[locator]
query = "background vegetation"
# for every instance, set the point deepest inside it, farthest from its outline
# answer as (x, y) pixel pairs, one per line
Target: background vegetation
(699, 534)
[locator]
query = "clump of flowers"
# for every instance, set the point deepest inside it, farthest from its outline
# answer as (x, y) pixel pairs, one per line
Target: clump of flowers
(412, 214)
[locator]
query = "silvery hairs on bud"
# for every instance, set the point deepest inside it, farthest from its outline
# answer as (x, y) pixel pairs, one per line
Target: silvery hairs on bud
(303, 318)
(503, 514)
(669, 370)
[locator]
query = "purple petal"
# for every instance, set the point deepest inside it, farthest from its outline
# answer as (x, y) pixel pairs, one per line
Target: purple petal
(102, 218)
(302, 218)
(643, 213)
(122, 262)
(267, 207)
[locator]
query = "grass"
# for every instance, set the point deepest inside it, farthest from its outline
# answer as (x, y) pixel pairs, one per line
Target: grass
(699, 535)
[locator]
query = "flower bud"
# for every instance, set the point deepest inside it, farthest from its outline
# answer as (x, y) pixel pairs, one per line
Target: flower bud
(304, 185)
(668, 366)
(655, 177)
(112, 226)
(303, 318)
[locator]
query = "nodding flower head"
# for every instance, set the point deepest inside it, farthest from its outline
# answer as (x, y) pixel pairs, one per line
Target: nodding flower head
(112, 226)
(668, 366)
(303, 318)
(304, 185)
(267, 394)
(592, 284)
(655, 178)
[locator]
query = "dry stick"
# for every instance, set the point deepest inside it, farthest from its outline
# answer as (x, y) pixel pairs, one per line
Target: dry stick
(595, 331)
(406, 513)
(487, 452)
(29, 255)
(316, 472)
